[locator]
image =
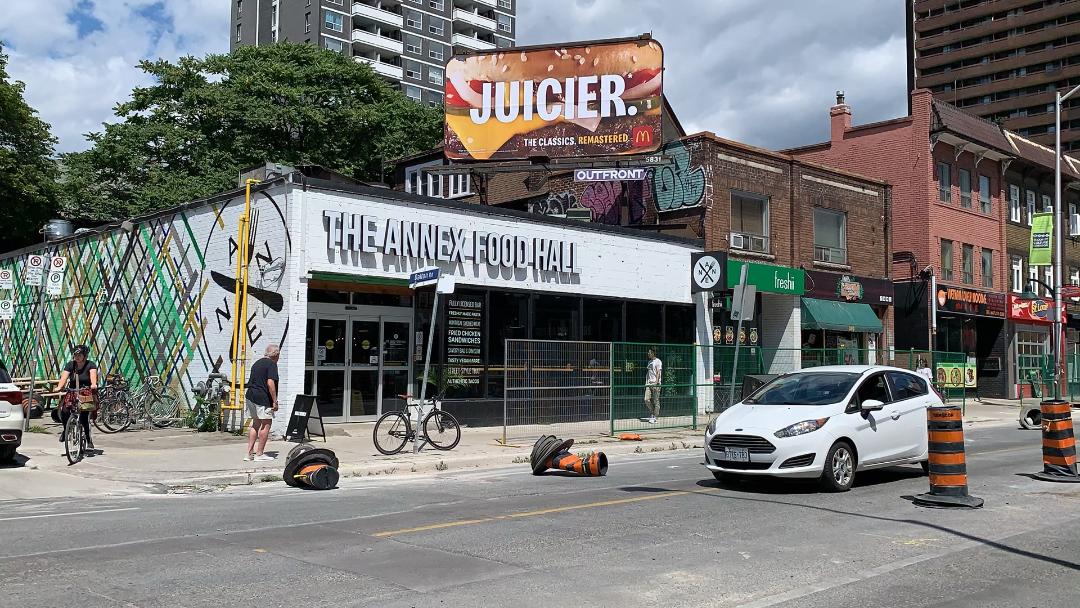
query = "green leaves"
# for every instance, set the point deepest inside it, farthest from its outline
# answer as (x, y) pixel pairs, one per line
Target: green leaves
(27, 171)
(186, 136)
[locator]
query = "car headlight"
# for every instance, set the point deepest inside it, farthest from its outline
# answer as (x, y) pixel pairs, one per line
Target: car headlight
(801, 428)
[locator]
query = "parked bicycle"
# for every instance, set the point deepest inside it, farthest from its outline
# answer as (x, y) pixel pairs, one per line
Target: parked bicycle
(154, 403)
(394, 429)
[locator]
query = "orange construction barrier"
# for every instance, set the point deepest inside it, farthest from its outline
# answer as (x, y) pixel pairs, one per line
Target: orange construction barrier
(948, 466)
(1058, 443)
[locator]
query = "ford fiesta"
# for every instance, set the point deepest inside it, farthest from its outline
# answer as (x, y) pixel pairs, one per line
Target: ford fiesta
(824, 422)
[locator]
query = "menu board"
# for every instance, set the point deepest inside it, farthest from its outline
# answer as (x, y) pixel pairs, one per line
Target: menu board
(464, 339)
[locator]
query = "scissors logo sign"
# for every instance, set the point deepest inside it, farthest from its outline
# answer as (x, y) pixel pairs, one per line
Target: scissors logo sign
(707, 271)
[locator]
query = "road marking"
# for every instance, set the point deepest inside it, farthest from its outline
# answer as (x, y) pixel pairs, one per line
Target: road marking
(538, 512)
(67, 514)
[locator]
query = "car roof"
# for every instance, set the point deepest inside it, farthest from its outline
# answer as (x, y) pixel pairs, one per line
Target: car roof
(851, 369)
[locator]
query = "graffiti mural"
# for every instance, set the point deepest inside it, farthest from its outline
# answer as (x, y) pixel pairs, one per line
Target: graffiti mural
(554, 204)
(679, 185)
(603, 199)
(155, 299)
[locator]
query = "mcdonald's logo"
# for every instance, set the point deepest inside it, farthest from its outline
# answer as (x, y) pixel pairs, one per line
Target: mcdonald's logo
(642, 136)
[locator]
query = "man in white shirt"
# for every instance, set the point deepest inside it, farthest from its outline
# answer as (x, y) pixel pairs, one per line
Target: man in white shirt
(654, 377)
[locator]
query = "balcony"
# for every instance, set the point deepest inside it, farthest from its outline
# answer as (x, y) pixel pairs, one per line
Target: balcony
(376, 41)
(472, 43)
(469, 4)
(381, 68)
(378, 15)
(474, 19)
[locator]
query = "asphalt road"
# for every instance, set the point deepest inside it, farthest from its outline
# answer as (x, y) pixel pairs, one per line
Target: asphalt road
(657, 531)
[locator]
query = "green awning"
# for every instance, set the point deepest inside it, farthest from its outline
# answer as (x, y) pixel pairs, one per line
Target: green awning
(839, 316)
(358, 279)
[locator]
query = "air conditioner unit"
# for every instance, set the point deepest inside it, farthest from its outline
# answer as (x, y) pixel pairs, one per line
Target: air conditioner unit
(757, 243)
(738, 241)
(1074, 224)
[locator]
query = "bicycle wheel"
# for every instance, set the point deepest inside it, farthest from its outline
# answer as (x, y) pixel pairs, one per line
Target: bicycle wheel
(164, 408)
(391, 433)
(74, 439)
(442, 430)
(114, 415)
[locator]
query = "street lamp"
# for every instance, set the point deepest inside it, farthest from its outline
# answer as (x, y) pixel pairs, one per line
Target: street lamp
(1058, 236)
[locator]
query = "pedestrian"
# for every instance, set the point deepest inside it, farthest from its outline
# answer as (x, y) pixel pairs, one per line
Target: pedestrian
(262, 402)
(79, 373)
(654, 377)
(924, 370)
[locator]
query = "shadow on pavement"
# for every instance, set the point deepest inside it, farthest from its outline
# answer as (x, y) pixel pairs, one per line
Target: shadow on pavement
(16, 463)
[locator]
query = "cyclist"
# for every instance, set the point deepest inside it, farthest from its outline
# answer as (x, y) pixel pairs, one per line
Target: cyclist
(80, 372)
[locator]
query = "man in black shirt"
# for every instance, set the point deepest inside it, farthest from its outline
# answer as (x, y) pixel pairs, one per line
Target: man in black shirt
(262, 402)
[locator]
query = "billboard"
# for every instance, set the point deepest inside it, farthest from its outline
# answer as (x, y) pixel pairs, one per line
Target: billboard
(593, 99)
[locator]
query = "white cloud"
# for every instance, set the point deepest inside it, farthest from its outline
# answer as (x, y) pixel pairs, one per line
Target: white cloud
(75, 82)
(760, 72)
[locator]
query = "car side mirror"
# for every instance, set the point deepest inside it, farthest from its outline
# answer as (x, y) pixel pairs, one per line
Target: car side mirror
(872, 405)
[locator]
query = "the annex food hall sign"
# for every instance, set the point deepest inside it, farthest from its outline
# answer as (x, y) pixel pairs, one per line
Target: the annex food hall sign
(421, 241)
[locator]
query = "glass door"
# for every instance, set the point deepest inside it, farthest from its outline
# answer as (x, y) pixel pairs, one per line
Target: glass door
(364, 363)
(395, 362)
(330, 367)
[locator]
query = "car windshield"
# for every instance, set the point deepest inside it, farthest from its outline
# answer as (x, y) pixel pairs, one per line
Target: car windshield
(811, 388)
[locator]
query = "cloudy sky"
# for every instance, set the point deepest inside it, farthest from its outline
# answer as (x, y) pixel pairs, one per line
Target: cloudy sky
(760, 72)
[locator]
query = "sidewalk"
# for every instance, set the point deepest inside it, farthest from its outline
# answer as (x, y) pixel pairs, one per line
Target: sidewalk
(176, 460)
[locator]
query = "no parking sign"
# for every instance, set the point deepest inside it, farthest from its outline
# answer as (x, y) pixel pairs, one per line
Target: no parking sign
(7, 279)
(35, 269)
(55, 284)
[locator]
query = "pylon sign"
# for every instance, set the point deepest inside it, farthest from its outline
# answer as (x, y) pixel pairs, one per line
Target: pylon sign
(35, 269)
(55, 283)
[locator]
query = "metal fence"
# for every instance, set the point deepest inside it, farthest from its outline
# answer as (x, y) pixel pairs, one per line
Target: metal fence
(581, 388)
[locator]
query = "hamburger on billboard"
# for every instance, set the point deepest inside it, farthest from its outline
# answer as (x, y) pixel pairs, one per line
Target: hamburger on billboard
(592, 99)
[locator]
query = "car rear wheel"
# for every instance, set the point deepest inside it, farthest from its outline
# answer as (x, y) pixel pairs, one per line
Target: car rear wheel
(839, 471)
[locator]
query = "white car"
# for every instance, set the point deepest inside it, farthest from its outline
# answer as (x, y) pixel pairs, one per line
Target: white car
(824, 422)
(11, 418)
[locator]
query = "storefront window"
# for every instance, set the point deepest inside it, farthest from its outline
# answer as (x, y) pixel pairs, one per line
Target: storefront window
(1030, 353)
(679, 324)
(644, 322)
(556, 318)
(602, 320)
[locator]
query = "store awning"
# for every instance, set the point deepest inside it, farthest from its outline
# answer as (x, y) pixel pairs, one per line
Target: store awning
(839, 316)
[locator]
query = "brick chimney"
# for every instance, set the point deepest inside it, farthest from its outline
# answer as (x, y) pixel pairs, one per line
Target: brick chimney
(839, 118)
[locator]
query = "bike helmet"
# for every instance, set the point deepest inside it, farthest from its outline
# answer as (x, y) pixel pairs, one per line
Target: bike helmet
(81, 349)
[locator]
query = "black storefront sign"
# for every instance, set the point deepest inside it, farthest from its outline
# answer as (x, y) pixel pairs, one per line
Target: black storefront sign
(848, 288)
(464, 339)
(971, 302)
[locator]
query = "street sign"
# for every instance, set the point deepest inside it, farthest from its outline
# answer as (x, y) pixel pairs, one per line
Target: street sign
(742, 303)
(424, 277)
(35, 269)
(7, 310)
(445, 285)
(54, 285)
(707, 271)
(58, 262)
(7, 279)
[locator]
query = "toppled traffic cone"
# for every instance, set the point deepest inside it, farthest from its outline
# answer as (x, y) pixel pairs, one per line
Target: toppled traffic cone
(549, 452)
(311, 467)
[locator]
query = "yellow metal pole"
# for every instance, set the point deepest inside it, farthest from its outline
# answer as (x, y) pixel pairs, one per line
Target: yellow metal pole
(244, 285)
(240, 297)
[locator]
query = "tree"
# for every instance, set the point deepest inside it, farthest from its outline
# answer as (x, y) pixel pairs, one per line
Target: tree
(27, 169)
(187, 135)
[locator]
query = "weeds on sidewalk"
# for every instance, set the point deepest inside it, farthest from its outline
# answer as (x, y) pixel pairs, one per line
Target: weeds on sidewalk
(37, 428)
(520, 459)
(638, 450)
(268, 478)
(441, 466)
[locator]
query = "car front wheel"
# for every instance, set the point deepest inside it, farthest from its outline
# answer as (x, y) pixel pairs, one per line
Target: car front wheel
(839, 471)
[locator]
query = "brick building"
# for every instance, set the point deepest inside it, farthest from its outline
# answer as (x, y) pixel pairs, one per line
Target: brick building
(963, 190)
(790, 219)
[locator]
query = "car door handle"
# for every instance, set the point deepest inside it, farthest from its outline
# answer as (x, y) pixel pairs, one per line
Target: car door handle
(895, 414)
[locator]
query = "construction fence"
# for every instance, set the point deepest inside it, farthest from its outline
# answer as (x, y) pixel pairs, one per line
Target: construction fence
(572, 388)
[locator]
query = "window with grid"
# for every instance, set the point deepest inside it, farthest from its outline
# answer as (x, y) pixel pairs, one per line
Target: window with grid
(505, 23)
(413, 19)
(412, 69)
(239, 7)
(984, 195)
(307, 23)
(967, 263)
(1033, 275)
(987, 267)
(946, 260)
(412, 45)
(1048, 278)
(332, 44)
(1074, 278)
(506, 4)
(1047, 204)
(965, 188)
(749, 222)
(830, 238)
(436, 26)
(1030, 350)
(1030, 204)
(1014, 203)
(334, 21)
(435, 75)
(1017, 275)
(1074, 225)
(238, 32)
(436, 51)
(944, 177)
(412, 92)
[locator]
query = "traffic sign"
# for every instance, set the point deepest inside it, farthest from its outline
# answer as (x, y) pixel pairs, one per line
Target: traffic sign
(58, 262)
(7, 310)
(7, 279)
(55, 283)
(424, 277)
(35, 269)
(707, 271)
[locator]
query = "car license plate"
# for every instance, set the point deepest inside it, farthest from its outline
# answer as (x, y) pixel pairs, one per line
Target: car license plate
(737, 454)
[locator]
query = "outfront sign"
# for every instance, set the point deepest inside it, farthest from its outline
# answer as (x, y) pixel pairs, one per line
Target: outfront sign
(971, 302)
(431, 242)
(1036, 310)
(592, 99)
(767, 277)
(848, 288)
(609, 175)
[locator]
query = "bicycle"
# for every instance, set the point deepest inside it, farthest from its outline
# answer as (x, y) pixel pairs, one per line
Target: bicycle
(441, 429)
(74, 437)
(153, 402)
(112, 405)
